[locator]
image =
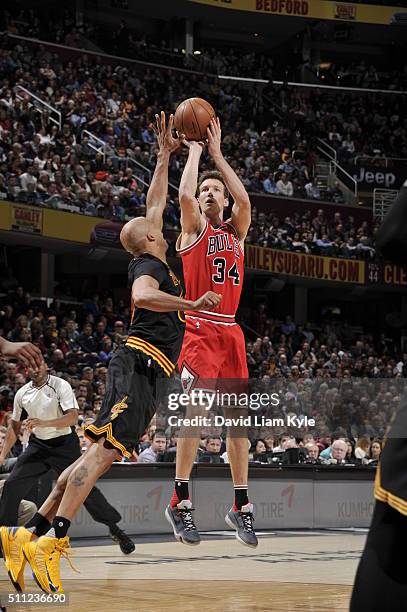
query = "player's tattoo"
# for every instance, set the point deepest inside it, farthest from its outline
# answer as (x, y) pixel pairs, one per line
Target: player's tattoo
(79, 477)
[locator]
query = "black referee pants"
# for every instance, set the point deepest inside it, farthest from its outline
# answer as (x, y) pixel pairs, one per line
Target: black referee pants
(38, 459)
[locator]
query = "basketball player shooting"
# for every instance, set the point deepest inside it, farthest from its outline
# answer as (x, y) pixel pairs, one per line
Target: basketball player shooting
(136, 372)
(212, 252)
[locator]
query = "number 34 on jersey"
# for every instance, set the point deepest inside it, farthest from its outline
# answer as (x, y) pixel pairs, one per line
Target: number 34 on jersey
(215, 262)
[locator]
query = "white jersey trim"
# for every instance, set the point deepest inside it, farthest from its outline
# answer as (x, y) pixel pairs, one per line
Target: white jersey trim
(217, 314)
(210, 321)
(191, 246)
(236, 235)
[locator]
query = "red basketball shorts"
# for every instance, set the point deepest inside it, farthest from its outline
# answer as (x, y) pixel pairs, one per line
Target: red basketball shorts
(212, 354)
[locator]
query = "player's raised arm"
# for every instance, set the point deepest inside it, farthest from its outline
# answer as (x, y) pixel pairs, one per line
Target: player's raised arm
(157, 192)
(241, 210)
(146, 294)
(192, 221)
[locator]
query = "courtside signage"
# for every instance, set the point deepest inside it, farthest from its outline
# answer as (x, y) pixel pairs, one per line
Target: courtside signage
(313, 9)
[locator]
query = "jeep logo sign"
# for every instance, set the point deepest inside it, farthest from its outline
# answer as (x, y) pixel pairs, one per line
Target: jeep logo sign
(373, 177)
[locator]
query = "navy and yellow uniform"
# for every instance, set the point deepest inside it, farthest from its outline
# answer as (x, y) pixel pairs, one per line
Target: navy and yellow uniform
(381, 579)
(391, 476)
(138, 370)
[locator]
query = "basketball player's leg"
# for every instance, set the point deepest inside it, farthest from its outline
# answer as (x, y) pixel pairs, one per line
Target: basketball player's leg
(198, 364)
(127, 409)
(81, 479)
(381, 579)
(30, 466)
(44, 554)
(178, 512)
(234, 380)
(48, 510)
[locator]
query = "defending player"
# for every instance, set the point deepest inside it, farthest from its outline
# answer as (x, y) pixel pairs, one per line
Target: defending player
(214, 347)
(381, 579)
(135, 374)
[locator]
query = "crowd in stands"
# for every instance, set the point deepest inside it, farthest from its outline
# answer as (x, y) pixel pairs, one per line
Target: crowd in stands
(348, 381)
(337, 236)
(363, 74)
(118, 106)
(42, 165)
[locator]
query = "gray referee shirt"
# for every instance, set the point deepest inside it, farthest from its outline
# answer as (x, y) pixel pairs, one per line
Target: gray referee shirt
(48, 402)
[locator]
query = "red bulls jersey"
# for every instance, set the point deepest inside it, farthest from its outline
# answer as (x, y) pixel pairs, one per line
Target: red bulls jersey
(215, 262)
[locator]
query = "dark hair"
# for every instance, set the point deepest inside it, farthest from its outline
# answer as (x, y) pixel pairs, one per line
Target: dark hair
(214, 437)
(160, 433)
(212, 174)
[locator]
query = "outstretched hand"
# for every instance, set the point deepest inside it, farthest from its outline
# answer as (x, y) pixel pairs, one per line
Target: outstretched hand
(28, 354)
(214, 137)
(164, 133)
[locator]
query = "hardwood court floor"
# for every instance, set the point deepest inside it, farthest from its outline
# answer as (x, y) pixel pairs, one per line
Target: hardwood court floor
(286, 573)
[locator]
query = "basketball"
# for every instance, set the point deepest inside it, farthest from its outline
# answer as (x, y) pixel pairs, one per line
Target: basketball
(193, 117)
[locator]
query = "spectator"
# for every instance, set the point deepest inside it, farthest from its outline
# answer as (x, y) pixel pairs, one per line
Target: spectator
(375, 451)
(260, 447)
(157, 446)
(212, 451)
(362, 448)
(269, 185)
(312, 190)
(86, 340)
(284, 186)
(313, 452)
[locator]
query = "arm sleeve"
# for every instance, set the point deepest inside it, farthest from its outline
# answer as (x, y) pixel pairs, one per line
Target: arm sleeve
(391, 239)
(19, 413)
(66, 396)
(146, 267)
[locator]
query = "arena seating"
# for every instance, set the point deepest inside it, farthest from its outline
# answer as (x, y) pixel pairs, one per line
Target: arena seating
(313, 362)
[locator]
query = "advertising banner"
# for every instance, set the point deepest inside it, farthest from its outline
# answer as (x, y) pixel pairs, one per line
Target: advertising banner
(305, 266)
(369, 176)
(26, 218)
(314, 9)
(387, 274)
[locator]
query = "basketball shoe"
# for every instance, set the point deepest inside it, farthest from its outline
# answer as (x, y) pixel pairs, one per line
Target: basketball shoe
(12, 541)
(126, 544)
(242, 522)
(44, 557)
(182, 523)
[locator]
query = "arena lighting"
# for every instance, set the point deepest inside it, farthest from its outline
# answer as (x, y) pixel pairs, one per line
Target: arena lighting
(197, 52)
(243, 79)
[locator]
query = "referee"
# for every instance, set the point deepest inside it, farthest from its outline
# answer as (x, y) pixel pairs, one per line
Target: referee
(50, 409)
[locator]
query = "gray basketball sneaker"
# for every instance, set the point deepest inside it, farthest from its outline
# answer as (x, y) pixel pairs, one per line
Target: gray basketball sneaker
(242, 522)
(182, 523)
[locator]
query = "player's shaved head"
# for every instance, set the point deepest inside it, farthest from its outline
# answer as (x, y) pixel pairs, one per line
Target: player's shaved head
(141, 235)
(134, 234)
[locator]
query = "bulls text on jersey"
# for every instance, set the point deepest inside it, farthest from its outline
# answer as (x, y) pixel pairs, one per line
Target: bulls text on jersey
(223, 242)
